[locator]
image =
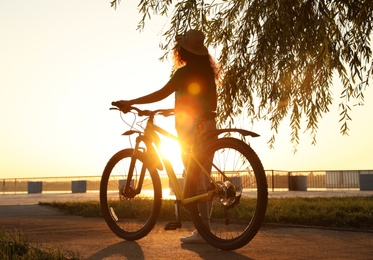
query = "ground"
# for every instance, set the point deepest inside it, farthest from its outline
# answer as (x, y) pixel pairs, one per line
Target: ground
(92, 239)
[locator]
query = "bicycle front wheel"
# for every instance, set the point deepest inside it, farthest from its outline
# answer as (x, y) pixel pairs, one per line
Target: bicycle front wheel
(235, 213)
(130, 216)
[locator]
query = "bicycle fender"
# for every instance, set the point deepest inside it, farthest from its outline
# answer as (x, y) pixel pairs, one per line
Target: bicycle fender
(227, 130)
(131, 132)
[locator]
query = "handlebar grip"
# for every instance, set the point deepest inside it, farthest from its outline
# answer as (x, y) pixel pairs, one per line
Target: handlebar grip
(121, 106)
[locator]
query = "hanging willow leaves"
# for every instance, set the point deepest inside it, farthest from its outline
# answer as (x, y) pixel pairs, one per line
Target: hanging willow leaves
(279, 57)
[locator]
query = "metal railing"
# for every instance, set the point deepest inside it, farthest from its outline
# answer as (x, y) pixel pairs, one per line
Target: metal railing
(318, 180)
(277, 181)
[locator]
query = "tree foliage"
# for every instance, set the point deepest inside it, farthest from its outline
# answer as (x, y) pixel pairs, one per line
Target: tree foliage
(278, 57)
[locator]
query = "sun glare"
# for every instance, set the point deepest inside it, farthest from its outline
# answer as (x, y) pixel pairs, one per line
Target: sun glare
(170, 150)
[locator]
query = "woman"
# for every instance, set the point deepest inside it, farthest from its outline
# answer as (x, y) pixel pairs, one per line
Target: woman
(193, 83)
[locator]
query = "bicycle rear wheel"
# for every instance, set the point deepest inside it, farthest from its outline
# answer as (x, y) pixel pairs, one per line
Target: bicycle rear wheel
(238, 207)
(130, 217)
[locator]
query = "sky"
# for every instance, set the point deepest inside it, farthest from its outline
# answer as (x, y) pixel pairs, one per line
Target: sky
(63, 62)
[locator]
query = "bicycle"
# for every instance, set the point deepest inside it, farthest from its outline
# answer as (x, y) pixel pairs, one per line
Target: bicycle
(131, 192)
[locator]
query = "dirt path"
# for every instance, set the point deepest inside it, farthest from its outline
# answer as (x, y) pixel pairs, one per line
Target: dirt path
(91, 238)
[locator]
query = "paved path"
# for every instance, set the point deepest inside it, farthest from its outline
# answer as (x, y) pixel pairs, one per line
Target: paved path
(92, 239)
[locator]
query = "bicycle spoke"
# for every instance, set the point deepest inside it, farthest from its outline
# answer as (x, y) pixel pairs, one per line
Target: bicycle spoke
(239, 205)
(130, 212)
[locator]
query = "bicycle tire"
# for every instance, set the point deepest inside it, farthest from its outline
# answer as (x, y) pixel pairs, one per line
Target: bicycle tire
(235, 215)
(130, 218)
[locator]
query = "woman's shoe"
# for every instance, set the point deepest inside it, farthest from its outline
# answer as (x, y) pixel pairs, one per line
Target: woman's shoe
(194, 238)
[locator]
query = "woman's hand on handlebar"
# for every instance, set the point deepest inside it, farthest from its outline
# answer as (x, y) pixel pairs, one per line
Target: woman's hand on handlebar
(123, 105)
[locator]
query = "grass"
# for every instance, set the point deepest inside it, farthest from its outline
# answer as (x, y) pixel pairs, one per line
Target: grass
(336, 212)
(83, 208)
(14, 245)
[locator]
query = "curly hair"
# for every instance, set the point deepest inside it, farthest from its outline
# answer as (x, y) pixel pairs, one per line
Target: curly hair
(181, 57)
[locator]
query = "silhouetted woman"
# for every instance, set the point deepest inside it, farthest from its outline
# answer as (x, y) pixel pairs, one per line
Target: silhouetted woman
(193, 83)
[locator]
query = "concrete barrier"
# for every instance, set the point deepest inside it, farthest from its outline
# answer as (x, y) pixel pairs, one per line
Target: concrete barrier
(297, 183)
(79, 186)
(366, 182)
(34, 187)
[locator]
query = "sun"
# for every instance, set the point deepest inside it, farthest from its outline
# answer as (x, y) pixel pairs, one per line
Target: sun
(170, 150)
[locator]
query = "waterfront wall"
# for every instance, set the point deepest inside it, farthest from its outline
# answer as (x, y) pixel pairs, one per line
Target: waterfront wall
(277, 181)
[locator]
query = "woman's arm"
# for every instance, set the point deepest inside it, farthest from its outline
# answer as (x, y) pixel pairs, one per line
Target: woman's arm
(158, 95)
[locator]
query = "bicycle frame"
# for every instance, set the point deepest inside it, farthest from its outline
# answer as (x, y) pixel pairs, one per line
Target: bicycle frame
(149, 137)
(227, 201)
(152, 143)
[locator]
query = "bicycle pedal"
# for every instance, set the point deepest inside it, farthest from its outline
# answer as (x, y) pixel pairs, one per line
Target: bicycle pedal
(173, 225)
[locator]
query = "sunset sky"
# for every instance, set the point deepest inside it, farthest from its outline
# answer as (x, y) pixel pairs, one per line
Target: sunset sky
(63, 62)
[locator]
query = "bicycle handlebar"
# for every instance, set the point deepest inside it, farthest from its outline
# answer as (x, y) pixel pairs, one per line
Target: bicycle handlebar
(140, 112)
